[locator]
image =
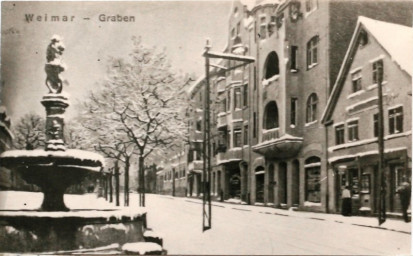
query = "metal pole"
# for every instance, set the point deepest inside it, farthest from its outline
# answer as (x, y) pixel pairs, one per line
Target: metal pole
(381, 171)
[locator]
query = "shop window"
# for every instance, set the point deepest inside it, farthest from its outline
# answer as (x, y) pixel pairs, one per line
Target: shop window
(365, 183)
(237, 98)
(271, 116)
(245, 96)
(398, 175)
(271, 65)
(339, 134)
(377, 65)
(312, 180)
(353, 130)
(354, 180)
(293, 117)
(396, 120)
(294, 58)
(356, 81)
(376, 125)
(312, 52)
(237, 138)
(311, 114)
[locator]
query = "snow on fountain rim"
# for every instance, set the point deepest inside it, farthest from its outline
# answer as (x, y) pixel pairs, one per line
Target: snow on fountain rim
(132, 213)
(69, 153)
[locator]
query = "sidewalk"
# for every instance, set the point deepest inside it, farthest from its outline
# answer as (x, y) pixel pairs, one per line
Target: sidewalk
(396, 225)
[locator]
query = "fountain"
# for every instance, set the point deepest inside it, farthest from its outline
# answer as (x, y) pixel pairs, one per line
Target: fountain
(54, 227)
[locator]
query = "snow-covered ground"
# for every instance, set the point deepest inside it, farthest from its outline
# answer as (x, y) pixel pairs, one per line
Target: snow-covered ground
(244, 229)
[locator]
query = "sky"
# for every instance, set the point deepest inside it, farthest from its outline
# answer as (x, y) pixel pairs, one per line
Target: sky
(180, 27)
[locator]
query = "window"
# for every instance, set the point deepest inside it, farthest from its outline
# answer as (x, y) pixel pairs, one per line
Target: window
(263, 28)
(312, 52)
(312, 108)
(237, 138)
(233, 33)
(271, 25)
(310, 5)
(271, 65)
(271, 116)
(228, 138)
(255, 78)
(199, 125)
(197, 155)
(228, 100)
(339, 134)
(223, 105)
(293, 118)
(254, 123)
(356, 81)
(245, 96)
(376, 71)
(363, 38)
(376, 125)
(200, 97)
(396, 120)
(237, 98)
(353, 130)
(312, 179)
(246, 135)
(293, 57)
(238, 29)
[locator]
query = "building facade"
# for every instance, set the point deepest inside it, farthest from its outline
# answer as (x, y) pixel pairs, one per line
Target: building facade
(269, 144)
(352, 116)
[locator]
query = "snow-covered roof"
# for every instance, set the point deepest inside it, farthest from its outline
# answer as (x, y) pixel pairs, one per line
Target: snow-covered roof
(396, 40)
(195, 85)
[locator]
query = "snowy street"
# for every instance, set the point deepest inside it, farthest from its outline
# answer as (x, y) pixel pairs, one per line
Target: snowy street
(242, 229)
(245, 229)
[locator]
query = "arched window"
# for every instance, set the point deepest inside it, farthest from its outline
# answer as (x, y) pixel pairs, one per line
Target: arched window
(271, 116)
(312, 108)
(312, 179)
(271, 65)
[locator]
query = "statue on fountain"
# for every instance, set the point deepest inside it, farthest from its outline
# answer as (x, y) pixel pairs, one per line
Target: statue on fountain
(54, 65)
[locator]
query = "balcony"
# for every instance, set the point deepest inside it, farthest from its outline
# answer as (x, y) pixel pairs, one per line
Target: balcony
(271, 134)
(196, 165)
(221, 119)
(231, 155)
(274, 146)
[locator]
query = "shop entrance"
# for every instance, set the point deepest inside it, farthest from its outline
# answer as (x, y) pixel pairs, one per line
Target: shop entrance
(259, 184)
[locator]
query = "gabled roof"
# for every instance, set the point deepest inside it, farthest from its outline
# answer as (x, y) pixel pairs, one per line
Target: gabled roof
(396, 40)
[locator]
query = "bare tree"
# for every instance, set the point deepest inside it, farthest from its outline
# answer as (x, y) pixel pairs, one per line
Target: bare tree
(29, 132)
(141, 102)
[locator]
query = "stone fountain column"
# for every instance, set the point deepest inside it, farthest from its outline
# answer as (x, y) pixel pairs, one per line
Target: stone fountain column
(55, 105)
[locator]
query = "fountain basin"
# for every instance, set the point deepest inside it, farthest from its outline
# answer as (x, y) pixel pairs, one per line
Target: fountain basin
(36, 231)
(52, 171)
